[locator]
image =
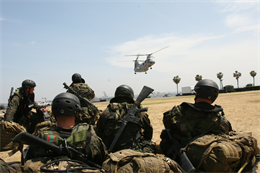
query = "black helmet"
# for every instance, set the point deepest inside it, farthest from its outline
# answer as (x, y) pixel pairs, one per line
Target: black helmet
(124, 91)
(207, 89)
(65, 104)
(28, 84)
(76, 78)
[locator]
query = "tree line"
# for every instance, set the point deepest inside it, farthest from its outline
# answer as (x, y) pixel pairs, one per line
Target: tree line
(177, 79)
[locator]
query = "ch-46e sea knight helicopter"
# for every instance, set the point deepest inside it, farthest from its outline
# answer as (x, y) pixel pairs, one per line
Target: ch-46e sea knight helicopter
(146, 64)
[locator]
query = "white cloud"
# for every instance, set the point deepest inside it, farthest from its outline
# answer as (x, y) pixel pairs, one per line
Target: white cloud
(237, 6)
(1, 19)
(241, 15)
(178, 46)
(196, 54)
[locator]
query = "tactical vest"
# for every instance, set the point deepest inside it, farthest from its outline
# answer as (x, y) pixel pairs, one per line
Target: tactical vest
(190, 122)
(131, 132)
(25, 106)
(79, 138)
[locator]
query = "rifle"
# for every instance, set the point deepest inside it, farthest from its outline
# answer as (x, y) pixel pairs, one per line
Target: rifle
(29, 139)
(11, 93)
(178, 154)
(131, 115)
(92, 107)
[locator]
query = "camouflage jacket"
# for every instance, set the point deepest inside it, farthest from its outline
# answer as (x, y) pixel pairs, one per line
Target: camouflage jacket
(135, 136)
(20, 106)
(84, 90)
(187, 121)
(81, 137)
(88, 114)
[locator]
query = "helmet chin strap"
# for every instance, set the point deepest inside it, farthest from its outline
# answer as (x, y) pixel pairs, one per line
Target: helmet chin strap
(195, 97)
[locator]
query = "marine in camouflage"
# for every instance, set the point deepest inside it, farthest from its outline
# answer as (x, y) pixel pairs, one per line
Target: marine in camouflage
(87, 114)
(137, 137)
(19, 110)
(187, 121)
(81, 137)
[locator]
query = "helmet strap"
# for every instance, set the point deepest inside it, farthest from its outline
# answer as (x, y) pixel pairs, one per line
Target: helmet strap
(195, 97)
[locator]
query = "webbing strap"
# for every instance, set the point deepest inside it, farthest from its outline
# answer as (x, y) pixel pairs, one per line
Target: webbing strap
(206, 154)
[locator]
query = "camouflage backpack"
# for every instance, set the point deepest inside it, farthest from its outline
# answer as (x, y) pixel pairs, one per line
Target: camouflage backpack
(8, 131)
(57, 164)
(132, 135)
(79, 139)
(83, 89)
(189, 123)
(132, 161)
(6, 168)
(223, 153)
(88, 114)
(80, 136)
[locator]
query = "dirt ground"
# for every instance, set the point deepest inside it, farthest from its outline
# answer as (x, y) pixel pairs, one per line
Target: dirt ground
(242, 109)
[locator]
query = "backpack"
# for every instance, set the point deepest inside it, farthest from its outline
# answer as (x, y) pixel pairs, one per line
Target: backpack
(223, 153)
(132, 134)
(8, 131)
(80, 136)
(128, 160)
(89, 114)
(56, 164)
(83, 89)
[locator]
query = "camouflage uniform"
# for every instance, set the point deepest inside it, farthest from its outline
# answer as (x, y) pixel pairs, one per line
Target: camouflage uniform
(4, 167)
(19, 110)
(81, 137)
(87, 114)
(187, 121)
(135, 136)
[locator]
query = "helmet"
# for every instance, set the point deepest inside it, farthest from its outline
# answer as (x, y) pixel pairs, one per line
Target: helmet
(207, 89)
(124, 91)
(76, 78)
(28, 84)
(65, 104)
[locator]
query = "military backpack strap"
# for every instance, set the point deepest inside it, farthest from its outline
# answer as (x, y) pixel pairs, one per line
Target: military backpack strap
(81, 137)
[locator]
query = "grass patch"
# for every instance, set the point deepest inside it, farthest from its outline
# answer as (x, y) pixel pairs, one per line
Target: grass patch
(255, 101)
(240, 93)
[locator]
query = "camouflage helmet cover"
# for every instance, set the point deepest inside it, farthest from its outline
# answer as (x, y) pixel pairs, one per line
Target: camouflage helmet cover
(28, 84)
(207, 89)
(65, 104)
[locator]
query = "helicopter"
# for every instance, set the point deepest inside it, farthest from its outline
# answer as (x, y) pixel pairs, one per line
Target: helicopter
(146, 64)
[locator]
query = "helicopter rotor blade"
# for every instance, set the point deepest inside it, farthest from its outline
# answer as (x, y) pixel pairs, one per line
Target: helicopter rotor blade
(158, 50)
(138, 55)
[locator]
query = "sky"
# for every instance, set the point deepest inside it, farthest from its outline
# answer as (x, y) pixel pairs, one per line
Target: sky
(48, 41)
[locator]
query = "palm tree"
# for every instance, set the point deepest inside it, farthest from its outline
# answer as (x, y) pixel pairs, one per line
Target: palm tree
(177, 80)
(253, 74)
(220, 75)
(198, 77)
(237, 75)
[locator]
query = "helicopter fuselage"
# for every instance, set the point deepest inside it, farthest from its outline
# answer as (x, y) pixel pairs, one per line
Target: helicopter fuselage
(143, 67)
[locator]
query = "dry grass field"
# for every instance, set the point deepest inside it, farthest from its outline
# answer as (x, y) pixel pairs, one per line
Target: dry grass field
(242, 109)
